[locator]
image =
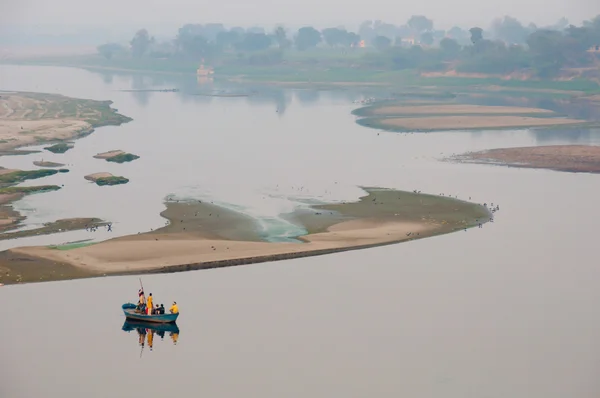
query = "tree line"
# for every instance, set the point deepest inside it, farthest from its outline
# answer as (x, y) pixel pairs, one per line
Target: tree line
(506, 47)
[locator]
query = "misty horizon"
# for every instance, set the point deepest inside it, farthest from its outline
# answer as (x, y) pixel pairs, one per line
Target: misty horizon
(163, 19)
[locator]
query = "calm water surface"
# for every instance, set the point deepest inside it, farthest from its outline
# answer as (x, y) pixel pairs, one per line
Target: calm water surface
(507, 310)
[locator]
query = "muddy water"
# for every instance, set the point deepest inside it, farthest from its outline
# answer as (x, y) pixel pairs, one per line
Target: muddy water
(506, 310)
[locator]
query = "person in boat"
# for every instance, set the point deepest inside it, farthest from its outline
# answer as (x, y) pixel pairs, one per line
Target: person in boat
(162, 309)
(174, 309)
(156, 310)
(141, 301)
(149, 305)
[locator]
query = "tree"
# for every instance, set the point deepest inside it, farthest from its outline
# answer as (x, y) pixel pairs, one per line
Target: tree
(307, 37)
(228, 39)
(420, 24)
(140, 43)
(510, 30)
(427, 38)
(381, 43)
(476, 34)
(280, 36)
(108, 50)
(333, 36)
(449, 47)
(547, 50)
(254, 42)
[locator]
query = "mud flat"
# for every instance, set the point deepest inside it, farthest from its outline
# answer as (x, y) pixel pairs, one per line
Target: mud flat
(43, 163)
(394, 116)
(34, 118)
(105, 178)
(116, 156)
(571, 158)
(198, 239)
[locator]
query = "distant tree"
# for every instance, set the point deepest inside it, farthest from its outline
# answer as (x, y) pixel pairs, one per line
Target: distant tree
(228, 39)
(510, 30)
(255, 29)
(280, 36)
(254, 42)
(420, 24)
(426, 38)
(476, 34)
(366, 31)
(547, 48)
(108, 50)
(381, 43)
(449, 47)
(140, 43)
(307, 37)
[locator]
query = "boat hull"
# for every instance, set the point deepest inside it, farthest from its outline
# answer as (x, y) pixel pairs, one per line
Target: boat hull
(131, 314)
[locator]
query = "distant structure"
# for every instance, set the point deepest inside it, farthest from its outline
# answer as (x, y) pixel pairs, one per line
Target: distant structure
(204, 71)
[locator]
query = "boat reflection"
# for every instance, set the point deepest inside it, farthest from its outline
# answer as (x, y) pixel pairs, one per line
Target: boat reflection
(147, 330)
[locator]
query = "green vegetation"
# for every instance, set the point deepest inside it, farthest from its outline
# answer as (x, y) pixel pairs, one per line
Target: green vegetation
(27, 190)
(71, 246)
(113, 180)
(22, 175)
(389, 205)
(59, 148)
(122, 158)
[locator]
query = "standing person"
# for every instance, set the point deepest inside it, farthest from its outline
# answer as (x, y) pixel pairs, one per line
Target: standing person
(141, 300)
(149, 304)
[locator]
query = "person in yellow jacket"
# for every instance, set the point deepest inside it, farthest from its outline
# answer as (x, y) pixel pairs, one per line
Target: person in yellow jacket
(174, 309)
(149, 305)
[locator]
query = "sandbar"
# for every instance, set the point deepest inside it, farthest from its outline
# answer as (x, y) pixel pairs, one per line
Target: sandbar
(453, 109)
(471, 122)
(33, 118)
(571, 158)
(377, 219)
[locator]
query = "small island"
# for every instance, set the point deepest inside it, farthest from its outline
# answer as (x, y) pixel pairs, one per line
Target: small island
(59, 148)
(102, 179)
(570, 158)
(117, 156)
(8, 176)
(402, 117)
(45, 163)
(34, 118)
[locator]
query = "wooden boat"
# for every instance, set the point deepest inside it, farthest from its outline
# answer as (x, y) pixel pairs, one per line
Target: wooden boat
(129, 309)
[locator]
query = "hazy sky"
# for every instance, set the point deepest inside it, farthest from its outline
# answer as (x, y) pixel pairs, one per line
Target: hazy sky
(445, 13)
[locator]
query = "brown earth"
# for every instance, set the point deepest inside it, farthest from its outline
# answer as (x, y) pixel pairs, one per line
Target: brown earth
(573, 158)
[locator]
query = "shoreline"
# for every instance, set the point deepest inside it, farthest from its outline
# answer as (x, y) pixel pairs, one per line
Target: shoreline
(30, 118)
(565, 158)
(210, 240)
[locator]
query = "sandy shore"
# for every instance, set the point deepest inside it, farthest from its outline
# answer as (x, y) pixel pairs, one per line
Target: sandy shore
(203, 240)
(33, 118)
(472, 122)
(109, 154)
(573, 158)
(454, 109)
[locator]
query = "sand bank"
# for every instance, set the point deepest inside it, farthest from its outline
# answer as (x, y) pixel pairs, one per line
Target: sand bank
(377, 219)
(33, 118)
(573, 158)
(454, 109)
(109, 154)
(472, 122)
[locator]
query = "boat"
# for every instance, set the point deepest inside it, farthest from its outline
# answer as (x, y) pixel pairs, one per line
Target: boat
(130, 325)
(129, 309)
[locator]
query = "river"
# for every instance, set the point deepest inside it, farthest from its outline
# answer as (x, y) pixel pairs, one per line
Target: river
(506, 310)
